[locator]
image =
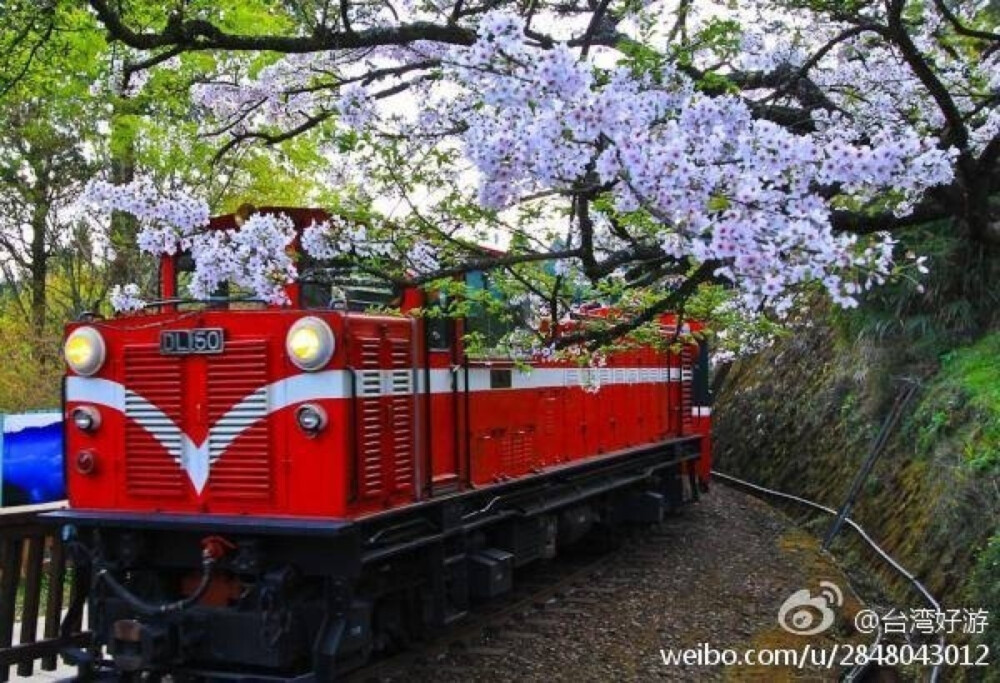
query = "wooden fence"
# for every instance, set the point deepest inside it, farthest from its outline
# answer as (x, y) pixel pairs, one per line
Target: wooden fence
(37, 585)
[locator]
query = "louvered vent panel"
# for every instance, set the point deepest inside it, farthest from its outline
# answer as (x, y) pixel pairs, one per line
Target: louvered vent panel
(516, 451)
(385, 420)
(152, 439)
(369, 418)
(686, 389)
(370, 448)
(369, 383)
(401, 388)
(239, 442)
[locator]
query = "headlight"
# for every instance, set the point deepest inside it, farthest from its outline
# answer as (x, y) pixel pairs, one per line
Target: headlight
(310, 343)
(85, 351)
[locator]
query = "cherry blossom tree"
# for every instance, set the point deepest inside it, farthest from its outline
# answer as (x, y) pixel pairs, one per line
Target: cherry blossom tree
(635, 152)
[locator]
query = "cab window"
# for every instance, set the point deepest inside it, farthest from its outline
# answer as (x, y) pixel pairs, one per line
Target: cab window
(489, 321)
(334, 285)
(438, 324)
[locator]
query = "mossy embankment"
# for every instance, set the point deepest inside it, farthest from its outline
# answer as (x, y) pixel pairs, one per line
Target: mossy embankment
(802, 416)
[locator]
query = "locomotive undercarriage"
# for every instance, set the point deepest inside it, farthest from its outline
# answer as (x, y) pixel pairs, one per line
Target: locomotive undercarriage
(246, 599)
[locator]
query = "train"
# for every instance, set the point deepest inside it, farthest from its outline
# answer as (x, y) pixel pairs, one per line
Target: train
(279, 493)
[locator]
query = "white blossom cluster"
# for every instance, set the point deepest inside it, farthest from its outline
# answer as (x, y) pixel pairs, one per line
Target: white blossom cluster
(423, 257)
(333, 238)
(126, 298)
(718, 183)
(254, 257)
(724, 185)
(169, 220)
(873, 88)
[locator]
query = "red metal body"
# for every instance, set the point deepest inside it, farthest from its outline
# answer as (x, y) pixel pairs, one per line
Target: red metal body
(217, 433)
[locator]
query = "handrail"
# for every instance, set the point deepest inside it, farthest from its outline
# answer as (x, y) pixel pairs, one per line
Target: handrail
(35, 574)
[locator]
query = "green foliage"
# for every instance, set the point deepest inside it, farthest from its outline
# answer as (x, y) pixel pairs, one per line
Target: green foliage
(976, 371)
(984, 593)
(30, 372)
(958, 415)
(731, 332)
(69, 114)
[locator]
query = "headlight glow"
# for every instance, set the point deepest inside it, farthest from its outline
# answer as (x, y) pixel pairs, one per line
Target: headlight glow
(85, 351)
(310, 343)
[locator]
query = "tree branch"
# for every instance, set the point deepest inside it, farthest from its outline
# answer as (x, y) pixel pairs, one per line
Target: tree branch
(960, 27)
(672, 301)
(595, 20)
(492, 264)
(196, 34)
(957, 133)
(866, 224)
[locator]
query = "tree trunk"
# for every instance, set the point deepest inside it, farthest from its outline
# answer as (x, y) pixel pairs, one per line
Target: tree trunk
(124, 227)
(39, 267)
(126, 267)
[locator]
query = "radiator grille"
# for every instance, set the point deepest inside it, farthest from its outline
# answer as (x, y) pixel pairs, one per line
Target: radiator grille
(237, 400)
(153, 391)
(369, 418)
(401, 413)
(234, 384)
(687, 358)
(516, 451)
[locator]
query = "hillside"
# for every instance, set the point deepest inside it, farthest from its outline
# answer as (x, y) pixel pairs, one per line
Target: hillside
(802, 416)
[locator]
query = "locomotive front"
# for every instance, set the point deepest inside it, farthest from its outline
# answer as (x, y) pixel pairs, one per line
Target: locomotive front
(206, 412)
(205, 446)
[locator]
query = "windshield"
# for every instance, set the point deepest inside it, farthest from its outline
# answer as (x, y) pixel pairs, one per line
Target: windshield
(332, 285)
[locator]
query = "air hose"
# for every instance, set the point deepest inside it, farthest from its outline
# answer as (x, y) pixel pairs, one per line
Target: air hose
(213, 548)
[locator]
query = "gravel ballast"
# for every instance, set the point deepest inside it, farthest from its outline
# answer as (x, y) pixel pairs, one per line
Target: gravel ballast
(715, 574)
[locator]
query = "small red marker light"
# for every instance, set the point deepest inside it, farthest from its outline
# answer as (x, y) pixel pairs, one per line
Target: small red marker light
(86, 462)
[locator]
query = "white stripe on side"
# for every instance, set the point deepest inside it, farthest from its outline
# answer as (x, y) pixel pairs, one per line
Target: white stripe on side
(335, 384)
(196, 459)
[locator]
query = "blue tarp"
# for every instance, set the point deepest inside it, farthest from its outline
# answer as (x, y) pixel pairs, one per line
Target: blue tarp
(31, 459)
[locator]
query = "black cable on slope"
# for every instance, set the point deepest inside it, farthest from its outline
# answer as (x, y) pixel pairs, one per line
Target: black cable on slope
(936, 671)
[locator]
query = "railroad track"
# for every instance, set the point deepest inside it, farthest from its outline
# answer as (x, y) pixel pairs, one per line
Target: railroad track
(544, 595)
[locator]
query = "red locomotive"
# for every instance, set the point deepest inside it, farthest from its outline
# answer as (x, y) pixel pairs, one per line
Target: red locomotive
(272, 493)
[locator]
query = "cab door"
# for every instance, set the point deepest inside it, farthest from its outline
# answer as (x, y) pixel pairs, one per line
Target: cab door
(445, 383)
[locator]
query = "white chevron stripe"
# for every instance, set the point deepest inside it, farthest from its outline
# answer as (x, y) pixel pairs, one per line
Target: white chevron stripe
(196, 459)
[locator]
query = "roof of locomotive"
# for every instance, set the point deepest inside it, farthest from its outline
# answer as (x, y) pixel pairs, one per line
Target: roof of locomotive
(301, 216)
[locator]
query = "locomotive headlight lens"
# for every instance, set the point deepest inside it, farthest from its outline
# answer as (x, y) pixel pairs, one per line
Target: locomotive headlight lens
(86, 418)
(85, 351)
(311, 418)
(310, 343)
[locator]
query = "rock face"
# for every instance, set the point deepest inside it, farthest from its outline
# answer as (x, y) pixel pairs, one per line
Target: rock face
(801, 417)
